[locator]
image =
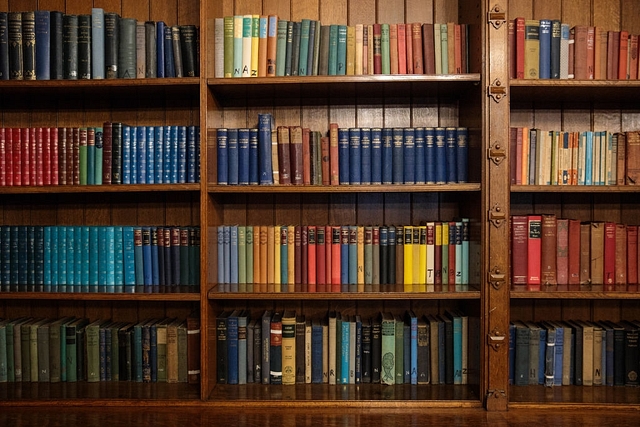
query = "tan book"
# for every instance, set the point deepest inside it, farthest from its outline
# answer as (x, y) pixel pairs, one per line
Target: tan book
(359, 49)
(289, 347)
(172, 351)
(270, 258)
(587, 352)
(351, 50)
(370, 49)
(256, 258)
(437, 49)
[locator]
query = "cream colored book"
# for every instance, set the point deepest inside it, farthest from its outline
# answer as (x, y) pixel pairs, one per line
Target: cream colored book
(359, 49)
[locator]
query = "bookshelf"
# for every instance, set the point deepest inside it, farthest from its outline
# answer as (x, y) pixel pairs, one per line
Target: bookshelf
(573, 105)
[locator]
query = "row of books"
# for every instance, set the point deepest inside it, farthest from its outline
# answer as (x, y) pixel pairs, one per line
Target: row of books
(358, 156)
(551, 49)
(113, 154)
(44, 45)
(71, 349)
(557, 253)
(542, 157)
(266, 46)
(99, 259)
(289, 348)
(433, 257)
(574, 352)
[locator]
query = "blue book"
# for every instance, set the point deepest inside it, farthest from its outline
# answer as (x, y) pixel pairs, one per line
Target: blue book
(43, 44)
(541, 355)
(221, 264)
(71, 258)
(134, 155)
(233, 156)
(265, 167)
(353, 258)
(512, 353)
(23, 251)
(420, 171)
(457, 347)
(15, 256)
(91, 156)
(110, 239)
(182, 154)
(355, 161)
(559, 354)
(462, 154)
(344, 353)
(223, 159)
(430, 155)
(126, 155)
(46, 273)
(138, 256)
(192, 153)
(146, 259)
(343, 156)
(344, 258)
(376, 156)
(341, 52)
(97, 43)
(316, 352)
(93, 258)
(39, 256)
(169, 63)
(118, 264)
(233, 257)
(102, 259)
(31, 259)
(5, 256)
(85, 261)
(155, 266)
(398, 156)
(451, 152)
(150, 170)
(365, 156)
(545, 49)
(387, 156)
(160, 56)
(158, 151)
(254, 171)
(232, 347)
(141, 155)
(550, 358)
(173, 155)
(166, 155)
(409, 155)
(413, 324)
(243, 156)
(440, 156)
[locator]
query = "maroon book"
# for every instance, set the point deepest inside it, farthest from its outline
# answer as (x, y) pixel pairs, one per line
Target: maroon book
(44, 155)
(3, 151)
(53, 146)
(8, 155)
(284, 155)
(597, 255)
(25, 156)
(609, 265)
(519, 250)
(585, 255)
(325, 156)
(17, 156)
(620, 279)
(428, 49)
(33, 157)
(632, 258)
(306, 156)
(296, 155)
(107, 150)
(75, 166)
(549, 251)
(418, 64)
(377, 49)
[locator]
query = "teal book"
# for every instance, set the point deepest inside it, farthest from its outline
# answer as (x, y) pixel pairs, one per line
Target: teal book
(303, 60)
(71, 259)
(129, 265)
(110, 238)
(333, 49)
(102, 258)
(281, 46)
(137, 255)
(54, 259)
(344, 350)
(295, 49)
(341, 64)
(77, 259)
(237, 45)
(155, 261)
(457, 346)
(85, 265)
(46, 279)
(444, 43)
(384, 49)
(118, 265)
(388, 346)
(82, 152)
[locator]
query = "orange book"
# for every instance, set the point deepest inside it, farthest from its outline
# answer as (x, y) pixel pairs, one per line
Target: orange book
(393, 48)
(335, 258)
(333, 154)
(408, 42)
(272, 44)
(416, 30)
(457, 49)
(599, 54)
(622, 55)
(262, 45)
(402, 49)
(306, 156)
(262, 283)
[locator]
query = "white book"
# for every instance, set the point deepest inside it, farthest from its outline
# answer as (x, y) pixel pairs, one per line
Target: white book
(247, 21)
(564, 51)
(219, 48)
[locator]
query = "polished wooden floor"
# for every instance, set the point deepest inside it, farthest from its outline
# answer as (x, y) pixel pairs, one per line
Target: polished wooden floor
(197, 417)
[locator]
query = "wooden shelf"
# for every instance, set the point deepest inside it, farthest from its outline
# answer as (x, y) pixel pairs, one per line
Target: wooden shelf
(575, 189)
(100, 296)
(586, 295)
(362, 395)
(557, 92)
(418, 188)
(122, 188)
(573, 396)
(359, 296)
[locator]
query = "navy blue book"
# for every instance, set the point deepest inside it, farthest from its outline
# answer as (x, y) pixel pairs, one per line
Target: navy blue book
(160, 56)
(5, 256)
(343, 156)
(155, 266)
(141, 154)
(451, 155)
(376, 156)
(365, 357)
(355, 162)
(153, 351)
(169, 65)
(43, 47)
(182, 154)
(344, 258)
(39, 258)
(55, 46)
(232, 348)
(430, 155)
(223, 160)
(462, 154)
(398, 156)
(409, 156)
(265, 125)
(316, 352)
(146, 259)
(138, 257)
(440, 156)
(243, 156)
(166, 156)
(545, 49)
(254, 171)
(86, 262)
(4, 47)
(150, 167)
(173, 155)
(365, 156)
(133, 154)
(14, 255)
(175, 256)
(387, 156)
(126, 155)
(118, 260)
(192, 152)
(233, 156)
(184, 258)
(420, 171)
(158, 151)
(22, 266)
(358, 367)
(197, 173)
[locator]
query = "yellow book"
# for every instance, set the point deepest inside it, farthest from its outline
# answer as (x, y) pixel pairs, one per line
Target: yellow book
(277, 282)
(445, 256)
(270, 258)
(360, 258)
(255, 42)
(408, 258)
(370, 49)
(418, 278)
(351, 50)
(437, 274)
(430, 256)
(532, 49)
(422, 264)
(289, 347)
(263, 259)
(291, 257)
(359, 49)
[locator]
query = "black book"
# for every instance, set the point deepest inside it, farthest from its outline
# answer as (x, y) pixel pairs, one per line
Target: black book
(116, 153)
(151, 56)
(84, 46)
(4, 47)
(577, 366)
(127, 49)
(448, 342)
(29, 45)
(177, 51)
(221, 346)
(55, 45)
(111, 43)
(189, 46)
(376, 349)
(300, 348)
(384, 258)
(295, 49)
(618, 353)
(15, 45)
(257, 352)
(630, 353)
(366, 351)
(70, 46)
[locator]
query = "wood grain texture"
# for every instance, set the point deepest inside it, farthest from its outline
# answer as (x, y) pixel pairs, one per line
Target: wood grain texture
(362, 12)
(390, 11)
(546, 9)
(333, 12)
(520, 8)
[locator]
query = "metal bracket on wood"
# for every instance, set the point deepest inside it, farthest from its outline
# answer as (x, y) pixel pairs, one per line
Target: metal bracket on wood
(497, 216)
(497, 90)
(496, 278)
(497, 16)
(496, 339)
(497, 153)
(496, 394)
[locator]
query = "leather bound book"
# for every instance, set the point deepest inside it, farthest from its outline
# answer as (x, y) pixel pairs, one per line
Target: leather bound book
(633, 157)
(574, 255)
(597, 254)
(562, 254)
(549, 245)
(84, 46)
(116, 153)
(189, 46)
(428, 49)
(609, 256)
(4, 47)
(193, 348)
(29, 45)
(418, 61)
(16, 58)
(127, 49)
(70, 46)
(632, 258)
(534, 252)
(620, 257)
(43, 44)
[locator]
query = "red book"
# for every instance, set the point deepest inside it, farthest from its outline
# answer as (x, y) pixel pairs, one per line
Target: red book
(33, 157)
(416, 30)
(632, 258)
(574, 255)
(585, 255)
(534, 252)
(620, 268)
(17, 156)
(298, 258)
(53, 146)
(107, 148)
(377, 49)
(452, 256)
(3, 173)
(408, 42)
(335, 259)
(519, 247)
(428, 49)
(306, 156)
(76, 156)
(519, 39)
(609, 265)
(622, 55)
(562, 254)
(394, 58)
(25, 156)
(8, 156)
(316, 252)
(457, 52)
(549, 251)
(328, 248)
(402, 49)
(326, 163)
(597, 255)
(42, 135)
(304, 268)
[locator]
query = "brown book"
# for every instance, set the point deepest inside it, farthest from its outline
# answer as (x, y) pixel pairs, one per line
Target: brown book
(284, 154)
(580, 69)
(399, 259)
(402, 49)
(633, 57)
(622, 55)
(597, 255)
(457, 52)
(609, 256)
(295, 155)
(272, 45)
(464, 48)
(418, 61)
(620, 257)
(428, 50)
(633, 158)
(193, 348)
(519, 235)
(172, 351)
(632, 258)
(325, 160)
(408, 41)
(306, 156)
(393, 48)
(574, 255)
(600, 54)
(591, 41)
(585, 255)
(562, 253)
(620, 142)
(613, 52)
(549, 245)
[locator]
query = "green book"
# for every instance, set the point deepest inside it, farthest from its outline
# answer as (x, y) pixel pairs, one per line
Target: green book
(281, 46)
(321, 64)
(399, 343)
(333, 49)
(14, 356)
(228, 46)
(182, 352)
(35, 349)
(3, 351)
(25, 351)
(288, 58)
(341, 67)
(55, 361)
(444, 43)
(97, 178)
(82, 152)
(92, 339)
(384, 49)
(43, 366)
(304, 48)
(71, 340)
(388, 345)
(161, 328)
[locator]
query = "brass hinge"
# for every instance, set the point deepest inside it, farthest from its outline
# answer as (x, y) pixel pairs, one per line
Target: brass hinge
(497, 216)
(497, 90)
(496, 278)
(496, 338)
(497, 16)
(497, 153)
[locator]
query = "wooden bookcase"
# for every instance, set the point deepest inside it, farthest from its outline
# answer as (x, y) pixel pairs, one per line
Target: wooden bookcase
(571, 106)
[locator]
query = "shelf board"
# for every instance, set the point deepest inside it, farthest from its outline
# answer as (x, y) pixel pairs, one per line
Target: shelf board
(585, 295)
(417, 188)
(99, 296)
(555, 92)
(98, 83)
(120, 188)
(573, 396)
(369, 395)
(360, 296)
(575, 189)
